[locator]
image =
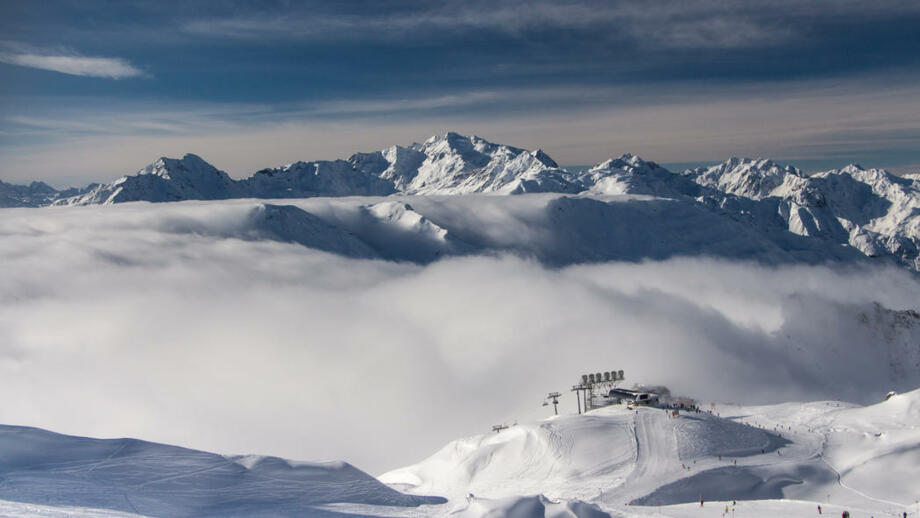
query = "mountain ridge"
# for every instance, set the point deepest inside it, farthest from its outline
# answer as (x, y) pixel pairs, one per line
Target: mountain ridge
(871, 210)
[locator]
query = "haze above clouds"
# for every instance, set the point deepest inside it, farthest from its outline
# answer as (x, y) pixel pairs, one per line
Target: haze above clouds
(129, 321)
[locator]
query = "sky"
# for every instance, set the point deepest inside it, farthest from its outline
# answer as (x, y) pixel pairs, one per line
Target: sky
(90, 90)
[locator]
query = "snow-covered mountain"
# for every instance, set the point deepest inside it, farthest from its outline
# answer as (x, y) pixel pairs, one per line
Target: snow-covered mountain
(456, 164)
(443, 164)
(307, 179)
(746, 177)
(167, 179)
(36, 194)
(630, 174)
(870, 210)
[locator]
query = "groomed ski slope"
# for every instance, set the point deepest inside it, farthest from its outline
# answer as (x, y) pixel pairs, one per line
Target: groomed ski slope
(779, 460)
(609, 456)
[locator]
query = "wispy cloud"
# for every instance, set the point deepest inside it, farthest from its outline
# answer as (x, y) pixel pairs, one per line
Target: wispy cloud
(669, 25)
(721, 30)
(68, 62)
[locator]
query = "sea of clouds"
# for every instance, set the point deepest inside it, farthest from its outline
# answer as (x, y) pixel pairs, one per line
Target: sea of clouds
(132, 321)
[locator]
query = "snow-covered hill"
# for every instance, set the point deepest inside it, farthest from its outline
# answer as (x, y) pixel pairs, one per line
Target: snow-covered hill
(838, 455)
(97, 476)
(757, 461)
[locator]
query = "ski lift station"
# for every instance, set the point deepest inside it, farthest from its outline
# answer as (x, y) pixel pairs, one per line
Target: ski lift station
(602, 389)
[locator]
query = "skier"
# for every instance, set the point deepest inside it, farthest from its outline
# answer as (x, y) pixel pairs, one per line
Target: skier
(819, 509)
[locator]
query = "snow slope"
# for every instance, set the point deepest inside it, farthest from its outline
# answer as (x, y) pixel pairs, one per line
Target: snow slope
(756, 461)
(860, 458)
(293, 225)
(607, 455)
(45, 471)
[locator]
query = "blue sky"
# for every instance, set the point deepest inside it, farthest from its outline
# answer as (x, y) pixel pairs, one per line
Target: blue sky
(90, 90)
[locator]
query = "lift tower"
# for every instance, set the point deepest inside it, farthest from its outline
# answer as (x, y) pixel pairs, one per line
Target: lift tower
(553, 398)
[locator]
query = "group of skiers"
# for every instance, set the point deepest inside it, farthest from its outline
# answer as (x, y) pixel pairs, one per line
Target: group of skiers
(844, 514)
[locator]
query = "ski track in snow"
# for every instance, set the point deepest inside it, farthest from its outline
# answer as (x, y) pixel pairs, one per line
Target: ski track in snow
(656, 451)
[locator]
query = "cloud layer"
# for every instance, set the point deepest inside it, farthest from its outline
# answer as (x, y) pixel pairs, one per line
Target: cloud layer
(119, 321)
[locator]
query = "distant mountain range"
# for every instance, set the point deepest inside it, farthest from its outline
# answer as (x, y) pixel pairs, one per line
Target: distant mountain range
(871, 210)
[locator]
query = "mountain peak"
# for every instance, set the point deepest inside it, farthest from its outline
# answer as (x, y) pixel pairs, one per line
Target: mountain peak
(754, 178)
(462, 142)
(544, 158)
(165, 167)
(852, 168)
(626, 161)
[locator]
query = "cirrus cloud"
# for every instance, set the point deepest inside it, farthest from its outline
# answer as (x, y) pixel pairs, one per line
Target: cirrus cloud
(69, 62)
